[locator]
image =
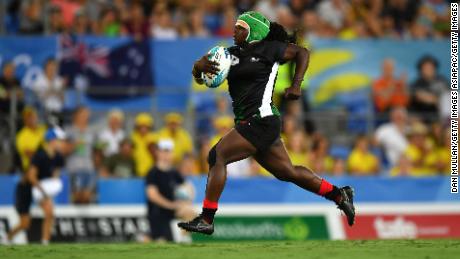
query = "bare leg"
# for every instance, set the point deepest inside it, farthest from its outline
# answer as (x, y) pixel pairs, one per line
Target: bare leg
(278, 163)
(24, 223)
(232, 147)
(47, 206)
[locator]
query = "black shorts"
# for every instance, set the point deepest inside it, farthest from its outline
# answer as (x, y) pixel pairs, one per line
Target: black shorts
(160, 227)
(260, 132)
(23, 198)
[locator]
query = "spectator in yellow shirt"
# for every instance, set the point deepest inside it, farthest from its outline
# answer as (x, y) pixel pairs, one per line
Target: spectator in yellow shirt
(29, 138)
(403, 167)
(441, 156)
(222, 125)
(296, 148)
(321, 161)
(420, 151)
(361, 161)
(181, 138)
(144, 140)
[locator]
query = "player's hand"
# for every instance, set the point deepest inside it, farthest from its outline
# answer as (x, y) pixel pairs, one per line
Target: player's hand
(292, 93)
(204, 65)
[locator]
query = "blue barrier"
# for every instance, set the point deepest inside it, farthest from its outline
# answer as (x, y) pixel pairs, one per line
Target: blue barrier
(267, 190)
(8, 187)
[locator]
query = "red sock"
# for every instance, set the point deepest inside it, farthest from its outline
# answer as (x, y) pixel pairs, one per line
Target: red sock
(207, 204)
(325, 188)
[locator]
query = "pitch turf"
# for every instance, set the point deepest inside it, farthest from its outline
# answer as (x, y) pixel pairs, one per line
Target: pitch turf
(394, 249)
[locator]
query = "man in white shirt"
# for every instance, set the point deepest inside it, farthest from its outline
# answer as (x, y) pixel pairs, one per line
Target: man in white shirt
(49, 87)
(113, 134)
(391, 136)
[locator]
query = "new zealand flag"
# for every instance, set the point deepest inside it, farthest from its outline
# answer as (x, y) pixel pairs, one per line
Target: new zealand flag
(107, 67)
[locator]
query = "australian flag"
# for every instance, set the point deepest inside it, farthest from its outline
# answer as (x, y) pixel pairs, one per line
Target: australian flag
(109, 67)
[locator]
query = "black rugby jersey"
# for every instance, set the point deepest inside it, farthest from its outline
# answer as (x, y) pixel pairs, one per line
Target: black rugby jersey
(252, 78)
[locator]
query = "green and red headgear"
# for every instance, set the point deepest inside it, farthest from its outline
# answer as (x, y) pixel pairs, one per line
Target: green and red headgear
(257, 25)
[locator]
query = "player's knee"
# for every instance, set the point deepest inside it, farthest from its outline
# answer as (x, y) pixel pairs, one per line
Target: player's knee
(212, 156)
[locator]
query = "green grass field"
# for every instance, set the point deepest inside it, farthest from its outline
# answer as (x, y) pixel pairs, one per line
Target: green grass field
(394, 249)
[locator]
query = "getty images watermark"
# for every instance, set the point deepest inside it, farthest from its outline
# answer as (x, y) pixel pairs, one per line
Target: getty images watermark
(454, 97)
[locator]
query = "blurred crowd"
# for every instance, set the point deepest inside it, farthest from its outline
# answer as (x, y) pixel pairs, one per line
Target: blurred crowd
(163, 19)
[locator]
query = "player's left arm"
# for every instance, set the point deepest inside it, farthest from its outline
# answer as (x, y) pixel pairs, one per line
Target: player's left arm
(301, 57)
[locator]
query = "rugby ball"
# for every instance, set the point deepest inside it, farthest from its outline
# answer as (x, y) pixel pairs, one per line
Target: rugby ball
(224, 59)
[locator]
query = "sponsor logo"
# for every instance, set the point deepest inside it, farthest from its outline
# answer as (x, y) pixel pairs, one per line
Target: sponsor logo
(90, 229)
(404, 226)
(267, 228)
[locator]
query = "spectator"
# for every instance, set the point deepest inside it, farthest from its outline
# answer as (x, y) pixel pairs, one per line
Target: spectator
(321, 161)
(121, 164)
(366, 13)
(427, 89)
(361, 161)
(222, 107)
(110, 24)
(29, 138)
(418, 150)
(80, 164)
(111, 136)
(81, 25)
(290, 125)
(173, 130)
(296, 148)
(443, 153)
(9, 85)
(122, 9)
(434, 14)
(403, 167)
(31, 18)
(69, 10)
(228, 23)
(388, 27)
(137, 26)
(55, 21)
(392, 135)
(286, 19)
(222, 126)
(333, 13)
(388, 91)
(144, 140)
(269, 8)
(195, 24)
(298, 7)
(49, 87)
(161, 185)
(314, 27)
(188, 166)
(162, 27)
(403, 13)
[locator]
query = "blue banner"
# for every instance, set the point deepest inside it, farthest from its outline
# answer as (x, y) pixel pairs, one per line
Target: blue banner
(338, 69)
(28, 53)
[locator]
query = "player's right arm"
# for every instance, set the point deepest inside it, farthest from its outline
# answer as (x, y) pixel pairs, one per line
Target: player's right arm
(32, 178)
(204, 65)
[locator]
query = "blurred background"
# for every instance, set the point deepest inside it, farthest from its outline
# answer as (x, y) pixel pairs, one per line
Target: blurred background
(116, 75)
